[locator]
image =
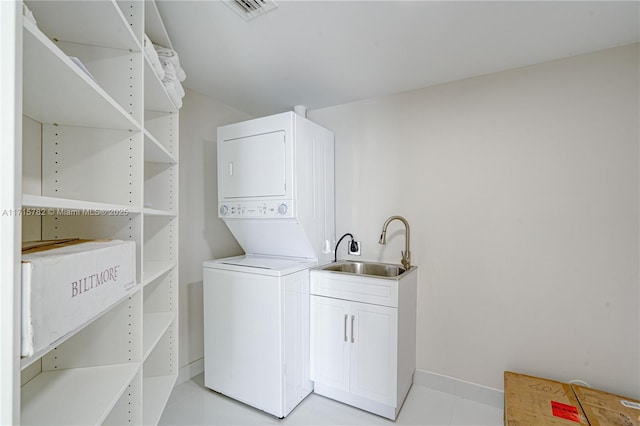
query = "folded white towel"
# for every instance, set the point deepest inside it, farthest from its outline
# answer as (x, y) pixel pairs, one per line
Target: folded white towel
(169, 69)
(152, 55)
(176, 86)
(171, 75)
(172, 56)
(172, 91)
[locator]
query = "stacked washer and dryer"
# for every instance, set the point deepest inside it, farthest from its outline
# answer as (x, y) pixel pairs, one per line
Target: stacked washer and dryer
(276, 195)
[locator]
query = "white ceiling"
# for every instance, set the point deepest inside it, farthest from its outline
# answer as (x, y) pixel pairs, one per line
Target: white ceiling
(322, 53)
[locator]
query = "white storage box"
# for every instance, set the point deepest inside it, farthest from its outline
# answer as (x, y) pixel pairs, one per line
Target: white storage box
(66, 284)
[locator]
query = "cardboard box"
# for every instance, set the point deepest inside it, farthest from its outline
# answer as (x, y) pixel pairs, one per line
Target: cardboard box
(530, 400)
(604, 409)
(66, 284)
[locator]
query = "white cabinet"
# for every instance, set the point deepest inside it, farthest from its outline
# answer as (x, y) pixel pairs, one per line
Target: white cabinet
(363, 354)
(355, 344)
(374, 352)
(330, 344)
(98, 139)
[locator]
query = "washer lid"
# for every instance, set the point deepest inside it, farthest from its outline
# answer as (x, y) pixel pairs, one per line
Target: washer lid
(264, 265)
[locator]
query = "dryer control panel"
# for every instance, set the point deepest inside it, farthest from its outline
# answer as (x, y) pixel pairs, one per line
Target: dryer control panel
(256, 209)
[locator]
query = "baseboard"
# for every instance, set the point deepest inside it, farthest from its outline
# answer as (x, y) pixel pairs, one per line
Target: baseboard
(461, 388)
(435, 381)
(190, 370)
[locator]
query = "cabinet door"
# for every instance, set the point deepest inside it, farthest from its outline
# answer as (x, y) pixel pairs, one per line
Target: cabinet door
(330, 342)
(374, 352)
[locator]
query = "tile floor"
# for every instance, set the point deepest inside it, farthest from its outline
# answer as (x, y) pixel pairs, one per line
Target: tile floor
(193, 404)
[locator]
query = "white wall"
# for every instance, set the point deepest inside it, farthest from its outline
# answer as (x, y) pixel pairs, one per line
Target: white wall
(202, 235)
(521, 188)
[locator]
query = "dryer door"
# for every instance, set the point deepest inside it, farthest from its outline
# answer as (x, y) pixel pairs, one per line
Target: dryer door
(253, 166)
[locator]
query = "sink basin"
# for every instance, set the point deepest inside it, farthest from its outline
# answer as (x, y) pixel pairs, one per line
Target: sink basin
(377, 283)
(365, 268)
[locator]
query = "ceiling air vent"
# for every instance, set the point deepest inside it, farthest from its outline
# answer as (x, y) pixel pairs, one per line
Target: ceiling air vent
(250, 9)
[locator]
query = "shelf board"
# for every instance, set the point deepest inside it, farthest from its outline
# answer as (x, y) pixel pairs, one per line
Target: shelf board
(156, 392)
(102, 23)
(73, 396)
(57, 91)
(154, 327)
(154, 152)
(156, 212)
(53, 203)
(156, 97)
(153, 270)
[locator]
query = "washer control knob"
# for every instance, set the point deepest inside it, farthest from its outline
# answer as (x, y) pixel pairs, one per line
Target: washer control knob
(282, 209)
(224, 210)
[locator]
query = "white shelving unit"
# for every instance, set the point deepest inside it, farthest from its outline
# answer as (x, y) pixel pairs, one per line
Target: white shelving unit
(75, 99)
(153, 270)
(46, 399)
(160, 212)
(99, 146)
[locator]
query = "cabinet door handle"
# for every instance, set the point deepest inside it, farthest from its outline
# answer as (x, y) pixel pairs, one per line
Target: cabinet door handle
(353, 317)
(345, 327)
